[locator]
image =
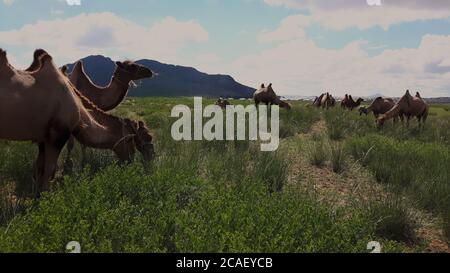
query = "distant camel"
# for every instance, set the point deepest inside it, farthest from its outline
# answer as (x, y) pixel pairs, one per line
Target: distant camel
(327, 101)
(408, 106)
(350, 104)
(379, 107)
(268, 96)
(45, 108)
(223, 103)
(318, 101)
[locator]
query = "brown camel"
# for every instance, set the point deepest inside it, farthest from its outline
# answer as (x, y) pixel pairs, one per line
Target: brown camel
(408, 106)
(327, 101)
(350, 104)
(49, 122)
(26, 116)
(223, 103)
(318, 101)
(380, 106)
(109, 97)
(268, 96)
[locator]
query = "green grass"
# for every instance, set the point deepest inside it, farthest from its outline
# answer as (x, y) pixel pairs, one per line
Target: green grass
(209, 196)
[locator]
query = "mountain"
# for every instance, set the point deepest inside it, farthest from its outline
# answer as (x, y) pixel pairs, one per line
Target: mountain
(170, 81)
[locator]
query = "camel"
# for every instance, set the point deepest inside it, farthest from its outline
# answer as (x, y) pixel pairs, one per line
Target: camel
(318, 101)
(109, 97)
(408, 106)
(223, 103)
(268, 96)
(344, 102)
(350, 104)
(327, 101)
(106, 98)
(380, 106)
(49, 122)
(26, 116)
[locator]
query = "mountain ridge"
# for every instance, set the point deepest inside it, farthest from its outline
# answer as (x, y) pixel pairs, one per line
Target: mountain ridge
(170, 80)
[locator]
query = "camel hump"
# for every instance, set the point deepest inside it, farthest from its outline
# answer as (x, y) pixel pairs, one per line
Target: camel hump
(38, 53)
(3, 58)
(263, 85)
(418, 95)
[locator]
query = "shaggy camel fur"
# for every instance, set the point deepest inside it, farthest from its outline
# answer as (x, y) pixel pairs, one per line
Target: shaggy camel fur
(408, 106)
(268, 96)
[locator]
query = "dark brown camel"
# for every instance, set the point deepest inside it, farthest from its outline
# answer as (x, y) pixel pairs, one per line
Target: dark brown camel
(268, 96)
(408, 106)
(350, 104)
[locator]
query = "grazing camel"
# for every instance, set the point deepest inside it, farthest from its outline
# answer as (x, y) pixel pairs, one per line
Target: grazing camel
(106, 98)
(223, 103)
(408, 106)
(268, 96)
(109, 97)
(350, 104)
(380, 106)
(54, 111)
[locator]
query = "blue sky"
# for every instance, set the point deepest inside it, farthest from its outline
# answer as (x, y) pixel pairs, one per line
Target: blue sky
(304, 47)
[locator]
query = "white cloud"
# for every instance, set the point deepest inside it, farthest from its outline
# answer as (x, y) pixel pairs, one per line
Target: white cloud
(73, 2)
(299, 67)
(108, 34)
(341, 14)
(8, 2)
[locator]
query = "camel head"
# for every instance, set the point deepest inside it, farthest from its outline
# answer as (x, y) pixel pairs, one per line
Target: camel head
(360, 100)
(142, 139)
(134, 71)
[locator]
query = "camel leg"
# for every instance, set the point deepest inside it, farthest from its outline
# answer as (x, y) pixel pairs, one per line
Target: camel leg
(52, 150)
(39, 169)
(83, 155)
(68, 163)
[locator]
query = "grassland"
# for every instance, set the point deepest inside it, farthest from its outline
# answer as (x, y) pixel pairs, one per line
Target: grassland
(335, 184)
